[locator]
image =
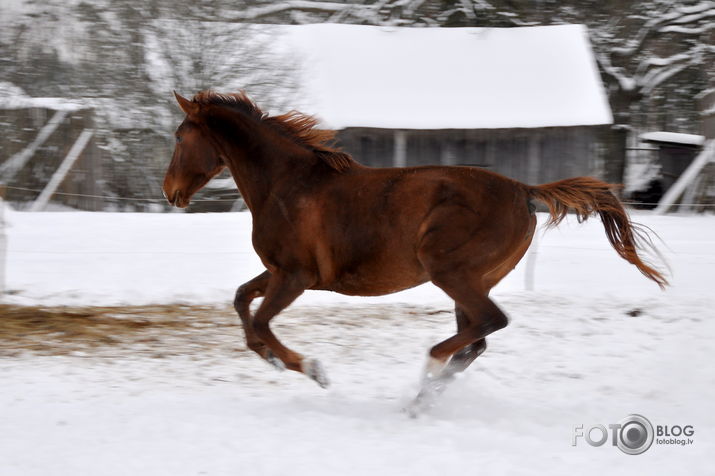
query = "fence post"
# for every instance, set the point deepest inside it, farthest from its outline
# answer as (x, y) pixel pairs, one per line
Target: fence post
(3, 242)
(531, 262)
(41, 201)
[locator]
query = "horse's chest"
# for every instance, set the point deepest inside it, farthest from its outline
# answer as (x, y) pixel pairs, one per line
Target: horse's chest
(281, 247)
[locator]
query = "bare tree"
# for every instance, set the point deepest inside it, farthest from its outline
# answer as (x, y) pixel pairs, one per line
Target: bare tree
(192, 55)
(370, 12)
(649, 47)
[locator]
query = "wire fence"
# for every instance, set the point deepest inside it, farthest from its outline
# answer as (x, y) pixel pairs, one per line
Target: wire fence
(629, 203)
(129, 199)
(655, 204)
(537, 249)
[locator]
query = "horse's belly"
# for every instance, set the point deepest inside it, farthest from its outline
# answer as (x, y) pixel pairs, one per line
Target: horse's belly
(376, 280)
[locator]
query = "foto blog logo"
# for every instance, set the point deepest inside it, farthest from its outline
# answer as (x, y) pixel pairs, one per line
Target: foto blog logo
(634, 434)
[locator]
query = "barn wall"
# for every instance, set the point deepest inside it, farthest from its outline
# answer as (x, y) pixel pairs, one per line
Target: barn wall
(371, 147)
(528, 155)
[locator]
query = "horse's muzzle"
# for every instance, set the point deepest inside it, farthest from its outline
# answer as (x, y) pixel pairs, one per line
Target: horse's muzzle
(173, 198)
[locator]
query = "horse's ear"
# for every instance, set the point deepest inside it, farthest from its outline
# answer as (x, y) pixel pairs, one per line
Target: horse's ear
(189, 107)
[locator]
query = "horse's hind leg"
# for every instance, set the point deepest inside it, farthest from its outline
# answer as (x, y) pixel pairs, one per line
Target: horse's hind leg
(434, 385)
(464, 357)
(480, 317)
(477, 317)
(469, 286)
(483, 317)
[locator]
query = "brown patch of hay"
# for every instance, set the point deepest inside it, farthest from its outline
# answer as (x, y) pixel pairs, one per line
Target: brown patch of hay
(164, 331)
(62, 330)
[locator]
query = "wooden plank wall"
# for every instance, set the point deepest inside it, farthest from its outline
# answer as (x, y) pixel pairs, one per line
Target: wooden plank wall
(528, 155)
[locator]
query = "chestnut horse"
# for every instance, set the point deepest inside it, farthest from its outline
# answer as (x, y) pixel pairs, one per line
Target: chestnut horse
(323, 221)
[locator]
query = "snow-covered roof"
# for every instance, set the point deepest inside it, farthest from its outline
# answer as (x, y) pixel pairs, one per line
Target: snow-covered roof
(13, 97)
(673, 138)
(57, 104)
(441, 78)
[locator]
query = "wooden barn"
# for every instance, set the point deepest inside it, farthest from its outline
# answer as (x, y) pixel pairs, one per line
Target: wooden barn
(525, 102)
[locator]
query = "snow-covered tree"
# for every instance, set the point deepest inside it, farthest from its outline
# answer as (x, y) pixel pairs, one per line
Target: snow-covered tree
(651, 45)
(192, 55)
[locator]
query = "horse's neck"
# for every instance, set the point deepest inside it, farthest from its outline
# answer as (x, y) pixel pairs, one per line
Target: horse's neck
(254, 189)
(268, 160)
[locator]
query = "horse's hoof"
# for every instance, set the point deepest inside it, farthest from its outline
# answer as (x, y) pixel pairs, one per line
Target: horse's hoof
(423, 402)
(413, 410)
(313, 369)
(433, 369)
(275, 361)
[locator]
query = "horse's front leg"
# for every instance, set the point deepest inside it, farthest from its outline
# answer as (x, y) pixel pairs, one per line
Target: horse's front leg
(282, 290)
(245, 294)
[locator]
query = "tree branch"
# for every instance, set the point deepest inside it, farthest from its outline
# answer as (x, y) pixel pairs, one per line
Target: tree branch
(624, 83)
(664, 22)
(667, 68)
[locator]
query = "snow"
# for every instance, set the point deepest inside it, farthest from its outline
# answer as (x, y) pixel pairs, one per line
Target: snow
(703, 6)
(440, 78)
(571, 355)
(84, 258)
(673, 138)
(108, 109)
(686, 30)
(13, 97)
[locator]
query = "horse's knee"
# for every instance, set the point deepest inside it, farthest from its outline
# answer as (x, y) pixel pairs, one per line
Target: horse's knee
(243, 297)
(240, 298)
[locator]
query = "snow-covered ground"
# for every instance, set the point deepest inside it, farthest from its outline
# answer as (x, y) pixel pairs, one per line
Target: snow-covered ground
(84, 258)
(593, 343)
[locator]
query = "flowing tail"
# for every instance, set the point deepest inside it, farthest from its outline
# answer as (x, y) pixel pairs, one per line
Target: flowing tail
(588, 196)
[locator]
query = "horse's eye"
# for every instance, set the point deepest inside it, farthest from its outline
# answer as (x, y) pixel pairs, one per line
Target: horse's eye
(178, 139)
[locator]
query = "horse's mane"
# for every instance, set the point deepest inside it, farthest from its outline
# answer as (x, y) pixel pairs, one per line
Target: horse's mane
(298, 126)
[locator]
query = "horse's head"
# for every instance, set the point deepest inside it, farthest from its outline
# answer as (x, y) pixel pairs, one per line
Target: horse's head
(195, 160)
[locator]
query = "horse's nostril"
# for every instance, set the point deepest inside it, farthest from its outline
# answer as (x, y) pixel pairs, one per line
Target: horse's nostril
(171, 197)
